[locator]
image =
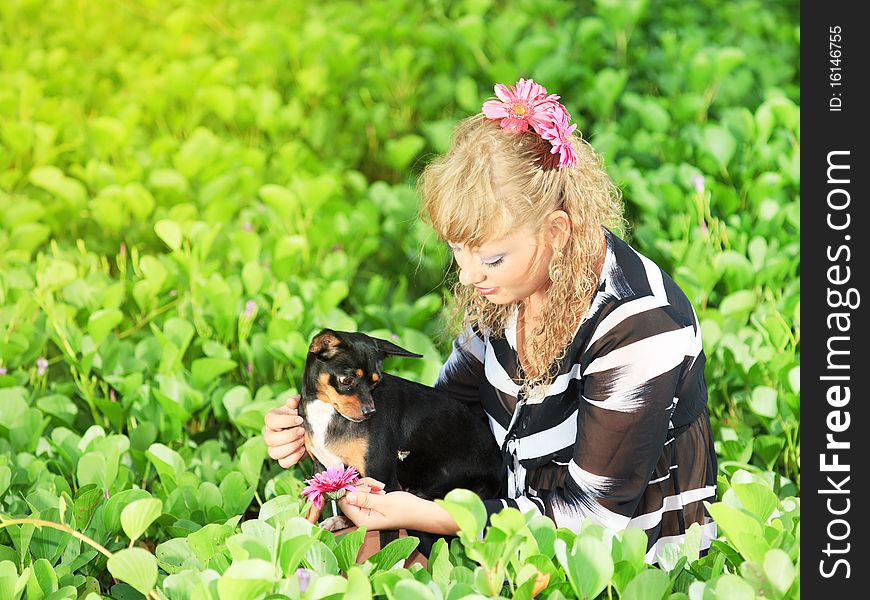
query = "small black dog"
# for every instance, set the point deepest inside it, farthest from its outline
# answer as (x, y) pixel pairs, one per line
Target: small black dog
(407, 435)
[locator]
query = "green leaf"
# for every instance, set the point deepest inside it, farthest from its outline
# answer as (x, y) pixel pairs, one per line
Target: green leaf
(85, 505)
(650, 584)
(5, 479)
(135, 566)
(358, 585)
(247, 244)
(757, 498)
(719, 142)
(742, 531)
(779, 569)
(280, 509)
(170, 232)
(237, 493)
(60, 406)
(763, 401)
(544, 531)
(167, 462)
(12, 584)
(29, 236)
(116, 503)
(401, 151)
(397, 550)
(292, 551)
(327, 586)
(92, 469)
(52, 179)
(439, 562)
(409, 589)
(247, 579)
(467, 510)
(57, 274)
(768, 448)
(632, 546)
(320, 558)
(652, 115)
(348, 548)
(209, 540)
(175, 554)
(43, 579)
(253, 276)
(727, 59)
(439, 134)
(207, 370)
(244, 547)
(101, 322)
(588, 565)
(733, 587)
(606, 89)
(137, 516)
(738, 303)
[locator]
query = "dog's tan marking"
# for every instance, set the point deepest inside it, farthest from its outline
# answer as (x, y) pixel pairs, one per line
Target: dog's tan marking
(347, 405)
(359, 372)
(309, 444)
(326, 343)
(353, 452)
(375, 377)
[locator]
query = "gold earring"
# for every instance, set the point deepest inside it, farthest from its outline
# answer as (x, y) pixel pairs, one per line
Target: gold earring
(557, 266)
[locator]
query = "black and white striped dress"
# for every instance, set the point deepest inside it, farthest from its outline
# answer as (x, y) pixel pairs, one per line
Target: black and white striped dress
(622, 434)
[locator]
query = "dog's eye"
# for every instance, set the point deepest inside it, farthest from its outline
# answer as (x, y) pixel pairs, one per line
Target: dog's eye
(345, 380)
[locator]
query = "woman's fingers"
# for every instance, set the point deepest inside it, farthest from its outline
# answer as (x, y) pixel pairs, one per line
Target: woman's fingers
(280, 437)
(361, 508)
(362, 487)
(280, 451)
(291, 459)
(360, 500)
(283, 433)
(372, 483)
(293, 402)
(282, 418)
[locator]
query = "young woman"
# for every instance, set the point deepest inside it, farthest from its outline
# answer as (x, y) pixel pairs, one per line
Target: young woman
(582, 354)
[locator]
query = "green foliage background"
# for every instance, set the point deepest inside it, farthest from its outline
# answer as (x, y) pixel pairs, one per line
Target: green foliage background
(190, 190)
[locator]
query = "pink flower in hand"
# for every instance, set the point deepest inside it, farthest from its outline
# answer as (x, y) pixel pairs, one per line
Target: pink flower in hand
(332, 483)
(558, 132)
(522, 105)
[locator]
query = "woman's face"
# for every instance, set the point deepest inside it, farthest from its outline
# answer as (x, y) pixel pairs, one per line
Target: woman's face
(508, 270)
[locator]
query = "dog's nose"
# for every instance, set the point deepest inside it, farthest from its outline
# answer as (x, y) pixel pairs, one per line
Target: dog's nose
(368, 411)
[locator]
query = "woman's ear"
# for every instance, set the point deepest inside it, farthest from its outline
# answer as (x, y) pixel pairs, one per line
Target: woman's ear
(559, 228)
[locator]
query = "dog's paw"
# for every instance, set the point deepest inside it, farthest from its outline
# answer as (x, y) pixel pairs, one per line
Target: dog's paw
(336, 523)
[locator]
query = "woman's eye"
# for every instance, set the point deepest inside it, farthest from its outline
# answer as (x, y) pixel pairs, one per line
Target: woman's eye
(494, 263)
(345, 380)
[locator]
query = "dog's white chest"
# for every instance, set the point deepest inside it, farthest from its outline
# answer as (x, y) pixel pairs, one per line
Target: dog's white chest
(318, 415)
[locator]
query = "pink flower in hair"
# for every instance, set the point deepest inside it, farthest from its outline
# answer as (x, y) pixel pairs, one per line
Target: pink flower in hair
(520, 106)
(332, 483)
(527, 104)
(559, 134)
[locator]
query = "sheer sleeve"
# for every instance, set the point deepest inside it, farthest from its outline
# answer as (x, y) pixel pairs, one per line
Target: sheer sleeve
(632, 368)
(462, 371)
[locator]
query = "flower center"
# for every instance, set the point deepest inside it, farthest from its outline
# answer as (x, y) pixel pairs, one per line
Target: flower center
(519, 110)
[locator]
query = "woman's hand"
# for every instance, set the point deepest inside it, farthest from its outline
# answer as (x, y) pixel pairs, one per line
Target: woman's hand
(378, 510)
(284, 434)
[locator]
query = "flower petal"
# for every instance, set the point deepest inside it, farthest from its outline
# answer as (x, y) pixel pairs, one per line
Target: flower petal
(514, 124)
(503, 93)
(493, 109)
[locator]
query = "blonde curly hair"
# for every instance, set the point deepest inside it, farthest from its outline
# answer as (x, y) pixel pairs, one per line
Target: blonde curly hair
(492, 182)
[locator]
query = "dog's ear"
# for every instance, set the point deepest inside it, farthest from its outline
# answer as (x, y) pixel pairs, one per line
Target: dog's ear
(390, 349)
(325, 344)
